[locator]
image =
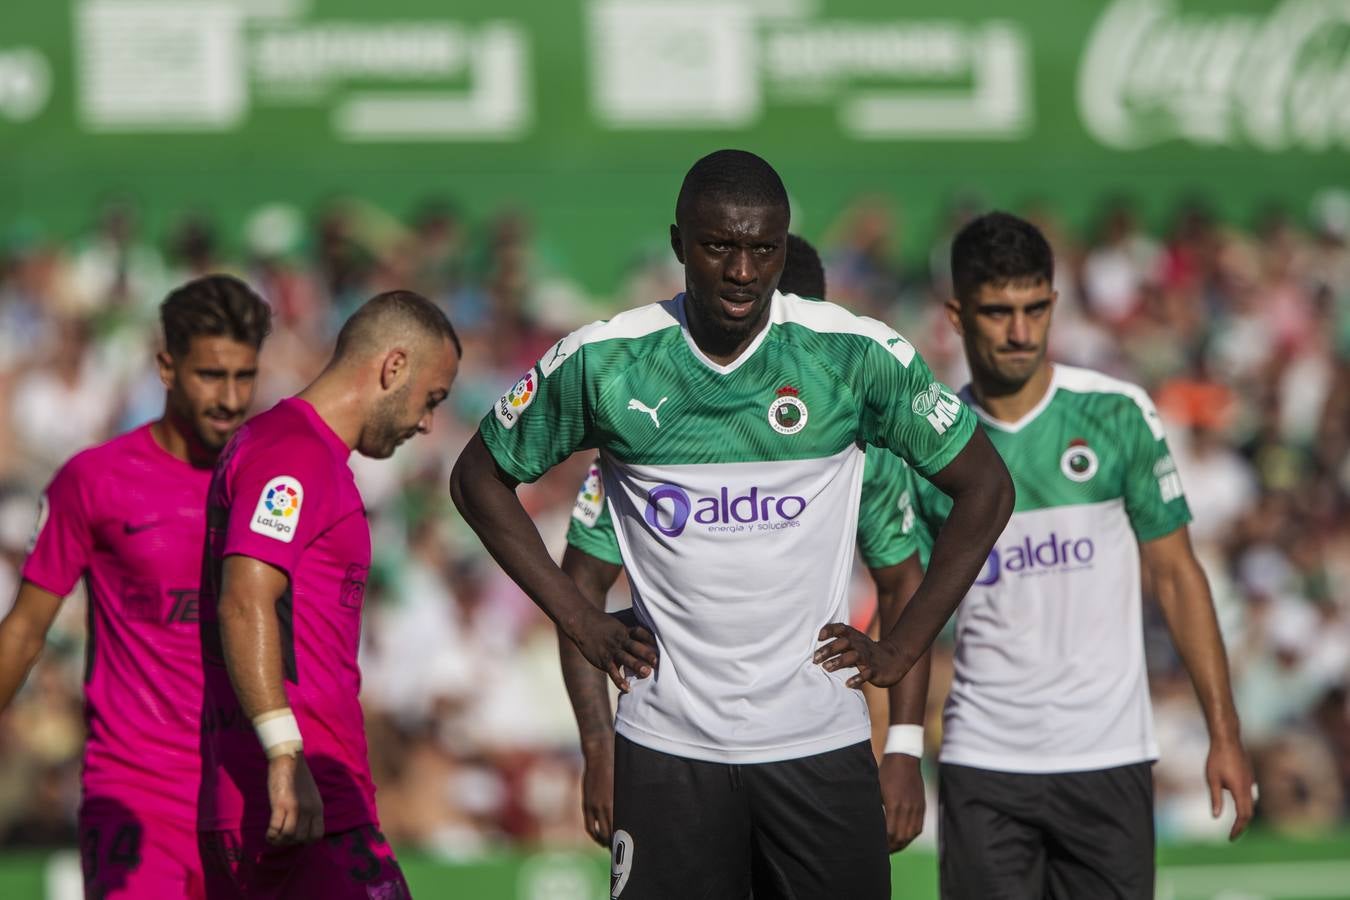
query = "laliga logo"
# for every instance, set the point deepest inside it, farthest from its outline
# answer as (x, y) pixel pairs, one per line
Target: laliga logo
(669, 509)
(1051, 554)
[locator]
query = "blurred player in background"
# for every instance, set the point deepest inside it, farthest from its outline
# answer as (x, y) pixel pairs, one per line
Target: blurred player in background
(730, 421)
(1045, 782)
(888, 549)
(284, 739)
(129, 518)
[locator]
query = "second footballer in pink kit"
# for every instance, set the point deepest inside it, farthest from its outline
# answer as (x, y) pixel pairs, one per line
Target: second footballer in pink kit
(127, 519)
(290, 551)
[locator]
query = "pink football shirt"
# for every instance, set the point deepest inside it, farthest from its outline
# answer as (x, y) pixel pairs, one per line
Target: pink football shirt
(129, 519)
(282, 493)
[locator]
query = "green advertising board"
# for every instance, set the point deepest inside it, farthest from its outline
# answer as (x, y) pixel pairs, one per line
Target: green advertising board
(586, 113)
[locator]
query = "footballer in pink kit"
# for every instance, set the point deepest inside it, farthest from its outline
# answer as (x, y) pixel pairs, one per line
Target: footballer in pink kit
(287, 803)
(128, 519)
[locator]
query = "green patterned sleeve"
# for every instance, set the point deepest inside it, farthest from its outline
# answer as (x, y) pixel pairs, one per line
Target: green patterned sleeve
(544, 418)
(1154, 499)
(907, 410)
(591, 529)
(885, 516)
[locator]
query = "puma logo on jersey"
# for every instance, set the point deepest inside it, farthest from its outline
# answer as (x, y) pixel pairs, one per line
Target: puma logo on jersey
(638, 405)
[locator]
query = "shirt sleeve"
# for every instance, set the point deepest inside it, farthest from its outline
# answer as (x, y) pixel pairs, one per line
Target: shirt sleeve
(907, 410)
(62, 539)
(886, 514)
(1154, 499)
(591, 529)
(279, 503)
(545, 417)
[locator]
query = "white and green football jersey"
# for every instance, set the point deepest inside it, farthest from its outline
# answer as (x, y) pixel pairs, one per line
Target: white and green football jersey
(1049, 673)
(886, 518)
(734, 494)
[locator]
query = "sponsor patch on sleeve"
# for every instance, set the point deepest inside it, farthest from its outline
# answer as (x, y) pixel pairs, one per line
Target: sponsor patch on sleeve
(590, 499)
(277, 514)
(938, 405)
(517, 400)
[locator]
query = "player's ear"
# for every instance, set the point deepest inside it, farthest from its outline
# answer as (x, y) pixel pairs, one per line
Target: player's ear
(953, 308)
(394, 369)
(676, 243)
(167, 376)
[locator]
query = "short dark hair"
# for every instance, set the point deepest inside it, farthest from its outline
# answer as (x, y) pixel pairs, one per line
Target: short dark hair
(391, 310)
(731, 176)
(803, 272)
(998, 248)
(214, 306)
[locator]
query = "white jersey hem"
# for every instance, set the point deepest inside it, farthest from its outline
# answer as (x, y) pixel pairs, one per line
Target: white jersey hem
(779, 753)
(1045, 764)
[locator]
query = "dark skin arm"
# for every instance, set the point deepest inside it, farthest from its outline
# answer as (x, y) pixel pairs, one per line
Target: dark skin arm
(486, 498)
(590, 700)
(23, 633)
(1183, 594)
(982, 500)
(901, 781)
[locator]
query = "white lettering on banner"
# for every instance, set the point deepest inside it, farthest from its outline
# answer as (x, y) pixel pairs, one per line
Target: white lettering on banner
(668, 64)
(25, 83)
(157, 65)
(673, 65)
(1150, 74)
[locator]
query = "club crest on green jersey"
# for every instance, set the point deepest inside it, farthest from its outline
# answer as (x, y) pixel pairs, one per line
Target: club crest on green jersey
(787, 414)
(1078, 462)
(515, 401)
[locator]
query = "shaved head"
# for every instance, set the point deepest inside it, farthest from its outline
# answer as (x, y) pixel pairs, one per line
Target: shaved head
(392, 318)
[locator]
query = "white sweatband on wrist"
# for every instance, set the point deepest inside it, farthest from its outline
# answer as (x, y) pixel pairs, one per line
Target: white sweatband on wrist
(906, 739)
(278, 732)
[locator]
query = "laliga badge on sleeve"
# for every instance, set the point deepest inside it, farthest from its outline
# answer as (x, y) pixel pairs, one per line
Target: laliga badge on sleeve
(277, 514)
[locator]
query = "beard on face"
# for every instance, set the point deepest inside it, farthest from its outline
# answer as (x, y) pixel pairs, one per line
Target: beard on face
(383, 433)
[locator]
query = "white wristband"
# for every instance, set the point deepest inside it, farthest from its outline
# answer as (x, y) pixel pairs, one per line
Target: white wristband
(278, 732)
(906, 739)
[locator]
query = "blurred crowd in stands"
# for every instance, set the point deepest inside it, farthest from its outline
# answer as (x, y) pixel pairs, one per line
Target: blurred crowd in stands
(1242, 337)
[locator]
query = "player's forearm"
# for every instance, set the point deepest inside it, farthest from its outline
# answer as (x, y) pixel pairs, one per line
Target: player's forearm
(23, 634)
(909, 697)
(251, 641)
(586, 685)
(19, 651)
(494, 512)
(979, 512)
(1183, 594)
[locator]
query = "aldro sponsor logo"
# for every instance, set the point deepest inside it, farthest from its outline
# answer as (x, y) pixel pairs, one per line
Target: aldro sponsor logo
(1051, 555)
(670, 508)
(938, 406)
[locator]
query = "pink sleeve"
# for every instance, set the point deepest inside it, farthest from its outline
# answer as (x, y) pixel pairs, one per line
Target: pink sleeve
(62, 542)
(278, 504)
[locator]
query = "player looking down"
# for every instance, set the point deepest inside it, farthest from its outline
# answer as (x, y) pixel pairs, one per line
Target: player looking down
(282, 729)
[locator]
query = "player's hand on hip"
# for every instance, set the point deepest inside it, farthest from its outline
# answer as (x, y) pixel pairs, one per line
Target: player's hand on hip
(597, 795)
(877, 662)
(903, 797)
(615, 649)
(1228, 769)
(297, 808)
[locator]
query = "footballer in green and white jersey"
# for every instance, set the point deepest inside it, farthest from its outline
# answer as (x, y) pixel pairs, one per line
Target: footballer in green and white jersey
(886, 518)
(1049, 669)
(734, 491)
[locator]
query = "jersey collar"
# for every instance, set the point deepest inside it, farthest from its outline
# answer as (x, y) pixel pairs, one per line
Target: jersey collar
(1031, 415)
(775, 315)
